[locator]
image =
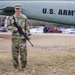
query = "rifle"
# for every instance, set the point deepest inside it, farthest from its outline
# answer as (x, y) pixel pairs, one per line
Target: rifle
(21, 31)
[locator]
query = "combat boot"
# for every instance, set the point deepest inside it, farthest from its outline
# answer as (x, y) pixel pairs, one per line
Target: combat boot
(23, 69)
(16, 69)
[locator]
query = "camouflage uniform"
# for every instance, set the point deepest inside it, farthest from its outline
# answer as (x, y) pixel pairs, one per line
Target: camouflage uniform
(18, 41)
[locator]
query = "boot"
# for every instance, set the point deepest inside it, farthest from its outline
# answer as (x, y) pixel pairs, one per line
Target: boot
(23, 69)
(16, 69)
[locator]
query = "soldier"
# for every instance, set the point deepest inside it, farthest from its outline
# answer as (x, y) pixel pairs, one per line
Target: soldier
(18, 41)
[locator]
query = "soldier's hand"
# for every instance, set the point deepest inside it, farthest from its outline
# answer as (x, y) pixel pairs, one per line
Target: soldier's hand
(15, 30)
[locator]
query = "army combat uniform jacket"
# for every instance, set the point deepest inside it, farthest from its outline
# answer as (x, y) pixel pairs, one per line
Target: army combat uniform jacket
(21, 21)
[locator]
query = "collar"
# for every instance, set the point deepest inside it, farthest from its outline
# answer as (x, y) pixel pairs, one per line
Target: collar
(19, 16)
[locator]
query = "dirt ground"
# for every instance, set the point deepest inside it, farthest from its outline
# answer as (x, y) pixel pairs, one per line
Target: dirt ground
(50, 55)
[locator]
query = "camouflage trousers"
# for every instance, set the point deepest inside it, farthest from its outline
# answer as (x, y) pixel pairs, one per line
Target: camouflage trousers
(19, 48)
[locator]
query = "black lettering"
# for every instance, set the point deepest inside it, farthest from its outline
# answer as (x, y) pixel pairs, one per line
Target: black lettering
(51, 11)
(60, 12)
(64, 12)
(70, 13)
(44, 10)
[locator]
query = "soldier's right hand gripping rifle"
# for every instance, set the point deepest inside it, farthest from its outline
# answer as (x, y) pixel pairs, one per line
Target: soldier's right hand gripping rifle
(21, 31)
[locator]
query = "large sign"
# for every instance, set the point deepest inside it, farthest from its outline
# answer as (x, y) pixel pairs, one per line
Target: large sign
(64, 12)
